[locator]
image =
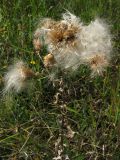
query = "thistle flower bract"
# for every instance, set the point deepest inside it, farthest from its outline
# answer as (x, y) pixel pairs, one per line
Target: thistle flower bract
(37, 44)
(15, 78)
(37, 40)
(49, 60)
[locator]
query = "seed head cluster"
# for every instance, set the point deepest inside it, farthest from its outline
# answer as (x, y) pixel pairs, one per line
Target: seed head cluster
(72, 43)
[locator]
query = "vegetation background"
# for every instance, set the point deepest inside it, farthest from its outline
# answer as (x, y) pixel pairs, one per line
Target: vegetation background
(29, 124)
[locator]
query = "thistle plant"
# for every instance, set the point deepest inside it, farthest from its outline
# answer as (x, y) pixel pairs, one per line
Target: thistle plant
(70, 43)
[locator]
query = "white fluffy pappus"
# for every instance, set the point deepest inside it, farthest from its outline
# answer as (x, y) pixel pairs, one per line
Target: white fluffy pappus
(15, 78)
(95, 38)
(96, 42)
(70, 18)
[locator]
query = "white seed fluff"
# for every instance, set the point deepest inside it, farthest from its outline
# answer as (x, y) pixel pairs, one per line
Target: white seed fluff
(95, 39)
(15, 78)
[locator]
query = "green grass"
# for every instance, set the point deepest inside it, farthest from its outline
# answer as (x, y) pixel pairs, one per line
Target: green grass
(29, 121)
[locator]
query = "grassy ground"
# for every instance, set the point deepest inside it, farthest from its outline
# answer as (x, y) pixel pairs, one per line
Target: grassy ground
(30, 121)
